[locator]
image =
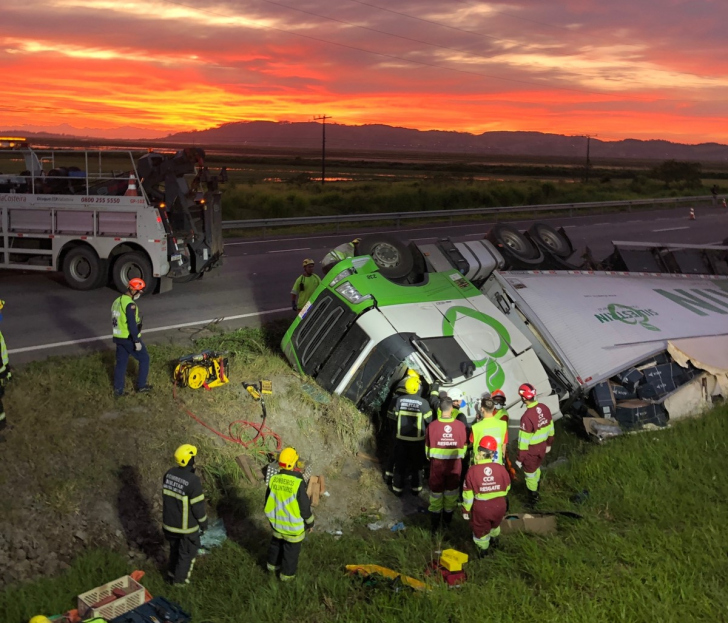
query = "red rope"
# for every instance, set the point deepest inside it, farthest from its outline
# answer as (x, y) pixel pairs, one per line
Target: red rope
(262, 437)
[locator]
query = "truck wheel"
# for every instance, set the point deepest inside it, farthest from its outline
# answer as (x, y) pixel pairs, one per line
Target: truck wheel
(514, 242)
(390, 254)
(555, 241)
(83, 270)
(133, 265)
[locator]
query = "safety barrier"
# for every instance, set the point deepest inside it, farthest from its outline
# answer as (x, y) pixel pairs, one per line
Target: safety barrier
(398, 217)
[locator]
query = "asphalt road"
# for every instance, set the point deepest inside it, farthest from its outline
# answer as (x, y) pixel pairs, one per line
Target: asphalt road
(43, 317)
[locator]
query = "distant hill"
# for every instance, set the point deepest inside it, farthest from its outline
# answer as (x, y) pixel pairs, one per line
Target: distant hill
(389, 138)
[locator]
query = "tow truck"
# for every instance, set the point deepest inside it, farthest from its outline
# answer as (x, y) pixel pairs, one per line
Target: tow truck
(100, 215)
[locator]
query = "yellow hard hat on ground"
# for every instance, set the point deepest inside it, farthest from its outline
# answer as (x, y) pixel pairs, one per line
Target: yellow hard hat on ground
(288, 458)
(412, 385)
(184, 453)
(40, 619)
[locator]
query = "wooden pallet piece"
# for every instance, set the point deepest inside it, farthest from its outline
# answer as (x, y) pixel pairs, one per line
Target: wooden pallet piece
(312, 481)
(244, 462)
(322, 484)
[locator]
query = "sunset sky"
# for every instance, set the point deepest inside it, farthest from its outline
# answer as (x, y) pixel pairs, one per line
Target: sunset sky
(617, 69)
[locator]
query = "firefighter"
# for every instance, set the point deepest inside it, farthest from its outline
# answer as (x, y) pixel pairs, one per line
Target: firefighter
(126, 323)
(411, 414)
(289, 511)
(5, 376)
(343, 251)
(490, 424)
(304, 286)
(445, 443)
(499, 398)
(535, 437)
(183, 516)
(484, 495)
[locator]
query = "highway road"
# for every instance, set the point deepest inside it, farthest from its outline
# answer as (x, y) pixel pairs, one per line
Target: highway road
(43, 317)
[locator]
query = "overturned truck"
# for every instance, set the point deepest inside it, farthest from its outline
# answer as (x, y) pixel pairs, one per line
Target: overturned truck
(619, 338)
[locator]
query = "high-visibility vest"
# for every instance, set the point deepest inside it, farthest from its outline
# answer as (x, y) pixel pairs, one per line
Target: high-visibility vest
(119, 325)
(281, 507)
(493, 427)
(3, 353)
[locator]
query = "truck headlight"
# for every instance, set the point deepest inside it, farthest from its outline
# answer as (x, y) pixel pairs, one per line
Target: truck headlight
(351, 294)
(342, 275)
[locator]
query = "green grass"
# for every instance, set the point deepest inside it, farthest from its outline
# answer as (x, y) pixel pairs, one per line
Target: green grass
(651, 547)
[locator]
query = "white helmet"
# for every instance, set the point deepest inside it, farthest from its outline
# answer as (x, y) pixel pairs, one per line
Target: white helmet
(457, 396)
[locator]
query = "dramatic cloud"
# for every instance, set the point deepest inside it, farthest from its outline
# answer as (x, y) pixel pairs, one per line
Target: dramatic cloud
(619, 69)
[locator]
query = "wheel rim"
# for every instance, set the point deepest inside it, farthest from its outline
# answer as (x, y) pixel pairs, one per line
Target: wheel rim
(385, 255)
(129, 271)
(550, 240)
(80, 269)
(516, 242)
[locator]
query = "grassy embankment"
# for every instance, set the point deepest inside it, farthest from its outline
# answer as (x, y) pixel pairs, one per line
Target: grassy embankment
(650, 546)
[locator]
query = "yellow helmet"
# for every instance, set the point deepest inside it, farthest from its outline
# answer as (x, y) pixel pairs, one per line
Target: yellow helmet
(39, 618)
(288, 458)
(412, 385)
(2, 304)
(184, 453)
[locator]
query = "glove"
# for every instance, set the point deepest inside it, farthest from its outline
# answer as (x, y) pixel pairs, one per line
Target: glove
(309, 528)
(548, 449)
(466, 516)
(294, 306)
(519, 465)
(137, 346)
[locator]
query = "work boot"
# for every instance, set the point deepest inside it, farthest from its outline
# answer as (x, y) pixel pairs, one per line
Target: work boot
(494, 542)
(447, 519)
(533, 498)
(434, 522)
(146, 389)
(484, 553)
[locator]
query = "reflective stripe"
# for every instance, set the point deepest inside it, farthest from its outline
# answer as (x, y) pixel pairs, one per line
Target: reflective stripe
(468, 497)
(436, 502)
(484, 497)
(184, 529)
(490, 427)
(119, 325)
(451, 500)
(447, 454)
(3, 352)
(199, 498)
(283, 512)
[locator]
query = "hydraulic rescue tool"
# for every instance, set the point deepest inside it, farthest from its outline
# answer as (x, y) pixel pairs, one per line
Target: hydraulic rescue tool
(207, 369)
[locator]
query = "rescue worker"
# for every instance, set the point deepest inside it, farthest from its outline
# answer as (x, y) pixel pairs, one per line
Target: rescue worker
(535, 437)
(304, 286)
(184, 517)
(499, 398)
(411, 415)
(126, 323)
(289, 511)
(343, 251)
(445, 444)
(5, 376)
(484, 495)
(491, 425)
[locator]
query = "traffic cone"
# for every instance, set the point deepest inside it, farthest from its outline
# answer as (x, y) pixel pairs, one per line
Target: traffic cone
(692, 214)
(131, 190)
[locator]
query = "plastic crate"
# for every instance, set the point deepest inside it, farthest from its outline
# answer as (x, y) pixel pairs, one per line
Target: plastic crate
(133, 599)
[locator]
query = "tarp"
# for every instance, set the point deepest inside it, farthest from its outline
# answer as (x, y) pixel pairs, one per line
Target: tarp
(603, 322)
(707, 353)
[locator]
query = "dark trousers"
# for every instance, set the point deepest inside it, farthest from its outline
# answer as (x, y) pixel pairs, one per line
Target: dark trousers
(124, 350)
(182, 553)
(283, 557)
(389, 434)
(409, 457)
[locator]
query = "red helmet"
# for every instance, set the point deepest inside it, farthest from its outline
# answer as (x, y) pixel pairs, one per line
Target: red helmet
(488, 443)
(498, 397)
(137, 284)
(527, 391)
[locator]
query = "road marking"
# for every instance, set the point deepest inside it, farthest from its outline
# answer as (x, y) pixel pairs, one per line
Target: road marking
(670, 229)
(287, 250)
(99, 338)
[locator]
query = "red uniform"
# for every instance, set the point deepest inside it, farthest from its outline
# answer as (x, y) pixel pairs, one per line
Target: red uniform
(445, 444)
(534, 440)
(484, 497)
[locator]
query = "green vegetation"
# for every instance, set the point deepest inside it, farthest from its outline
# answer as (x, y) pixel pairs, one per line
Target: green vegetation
(651, 545)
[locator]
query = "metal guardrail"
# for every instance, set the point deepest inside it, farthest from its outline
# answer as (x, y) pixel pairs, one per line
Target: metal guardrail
(398, 217)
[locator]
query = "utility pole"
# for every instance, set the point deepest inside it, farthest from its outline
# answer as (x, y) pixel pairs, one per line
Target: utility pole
(323, 119)
(588, 162)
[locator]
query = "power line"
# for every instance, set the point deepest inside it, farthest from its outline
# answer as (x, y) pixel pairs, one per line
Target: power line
(323, 119)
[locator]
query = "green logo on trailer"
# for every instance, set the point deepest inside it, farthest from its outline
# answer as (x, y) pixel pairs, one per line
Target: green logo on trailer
(494, 375)
(628, 315)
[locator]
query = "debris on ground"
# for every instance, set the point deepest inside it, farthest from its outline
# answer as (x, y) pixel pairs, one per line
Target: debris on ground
(214, 536)
(398, 580)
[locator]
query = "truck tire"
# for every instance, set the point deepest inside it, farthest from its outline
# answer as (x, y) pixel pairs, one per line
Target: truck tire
(390, 254)
(83, 270)
(551, 239)
(514, 245)
(130, 265)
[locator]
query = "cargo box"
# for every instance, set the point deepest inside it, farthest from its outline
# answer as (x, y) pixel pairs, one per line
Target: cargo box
(633, 414)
